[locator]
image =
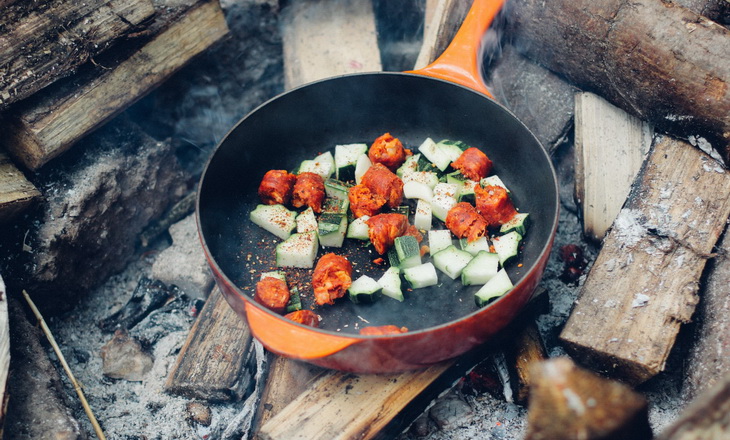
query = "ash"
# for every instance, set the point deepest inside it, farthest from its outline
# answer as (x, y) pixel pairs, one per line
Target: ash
(203, 102)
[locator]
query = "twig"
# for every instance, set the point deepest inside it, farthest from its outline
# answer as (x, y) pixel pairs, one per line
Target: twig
(77, 387)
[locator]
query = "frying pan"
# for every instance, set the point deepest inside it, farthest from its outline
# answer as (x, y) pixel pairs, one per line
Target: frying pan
(446, 100)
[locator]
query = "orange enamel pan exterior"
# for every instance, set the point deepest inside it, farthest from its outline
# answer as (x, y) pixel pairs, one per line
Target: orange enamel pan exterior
(447, 99)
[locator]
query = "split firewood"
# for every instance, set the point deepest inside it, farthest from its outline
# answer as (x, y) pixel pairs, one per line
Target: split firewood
(524, 352)
(308, 27)
(707, 416)
(709, 358)
(40, 44)
(4, 352)
(715, 10)
(16, 192)
(51, 121)
(658, 61)
(643, 285)
(212, 363)
(610, 146)
(567, 402)
(443, 18)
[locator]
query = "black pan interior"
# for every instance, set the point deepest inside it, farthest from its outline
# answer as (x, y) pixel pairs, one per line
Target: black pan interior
(312, 119)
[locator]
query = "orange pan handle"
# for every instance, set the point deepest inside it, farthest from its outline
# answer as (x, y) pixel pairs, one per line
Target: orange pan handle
(460, 61)
(286, 338)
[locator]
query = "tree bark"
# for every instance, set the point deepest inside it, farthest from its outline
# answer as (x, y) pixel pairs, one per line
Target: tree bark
(654, 59)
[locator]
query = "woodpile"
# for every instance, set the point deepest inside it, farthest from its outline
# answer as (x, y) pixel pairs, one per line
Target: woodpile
(69, 67)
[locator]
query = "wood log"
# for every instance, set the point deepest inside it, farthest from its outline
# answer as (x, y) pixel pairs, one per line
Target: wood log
(707, 417)
(42, 42)
(709, 357)
(212, 363)
(567, 402)
(16, 192)
(610, 147)
(50, 122)
(4, 353)
(523, 353)
(643, 285)
(658, 61)
(443, 20)
(317, 45)
(715, 10)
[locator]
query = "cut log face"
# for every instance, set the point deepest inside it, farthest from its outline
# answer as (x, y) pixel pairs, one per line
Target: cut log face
(51, 121)
(644, 283)
(40, 44)
(16, 192)
(567, 402)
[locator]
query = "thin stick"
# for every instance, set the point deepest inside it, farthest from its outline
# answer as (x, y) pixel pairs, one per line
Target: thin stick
(77, 387)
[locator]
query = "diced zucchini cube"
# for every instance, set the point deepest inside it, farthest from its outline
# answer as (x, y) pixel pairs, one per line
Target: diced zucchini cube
(421, 276)
(299, 250)
(410, 165)
(346, 157)
(361, 167)
(295, 301)
(444, 198)
(494, 288)
(493, 181)
(507, 246)
(274, 218)
(337, 189)
(451, 261)
(408, 250)
(306, 221)
(364, 290)
(482, 268)
(438, 240)
(428, 178)
(278, 274)
(518, 224)
(391, 284)
(335, 206)
(324, 165)
(480, 244)
(431, 151)
(358, 229)
(451, 149)
(423, 217)
(332, 229)
(416, 190)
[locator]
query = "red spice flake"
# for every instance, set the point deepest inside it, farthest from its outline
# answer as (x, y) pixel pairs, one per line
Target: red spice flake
(379, 261)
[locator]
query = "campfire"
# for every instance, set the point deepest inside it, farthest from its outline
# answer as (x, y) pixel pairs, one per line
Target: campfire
(111, 111)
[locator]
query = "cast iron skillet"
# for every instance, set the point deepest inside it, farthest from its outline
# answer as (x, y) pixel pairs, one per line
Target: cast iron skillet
(443, 320)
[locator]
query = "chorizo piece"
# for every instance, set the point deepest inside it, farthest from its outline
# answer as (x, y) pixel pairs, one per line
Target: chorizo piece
(306, 317)
(272, 293)
(331, 279)
(473, 164)
(364, 202)
(463, 220)
(382, 330)
(276, 187)
(308, 191)
(387, 150)
(494, 204)
(384, 228)
(380, 180)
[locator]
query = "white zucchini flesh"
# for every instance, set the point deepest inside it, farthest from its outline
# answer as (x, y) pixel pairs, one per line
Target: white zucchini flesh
(333, 238)
(278, 274)
(444, 198)
(438, 240)
(423, 218)
(482, 268)
(507, 246)
(416, 190)
(409, 166)
(306, 221)
(275, 219)
(495, 287)
(474, 247)
(428, 178)
(361, 167)
(421, 276)
(358, 229)
(493, 181)
(324, 165)
(299, 250)
(451, 261)
(435, 154)
(391, 284)
(346, 158)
